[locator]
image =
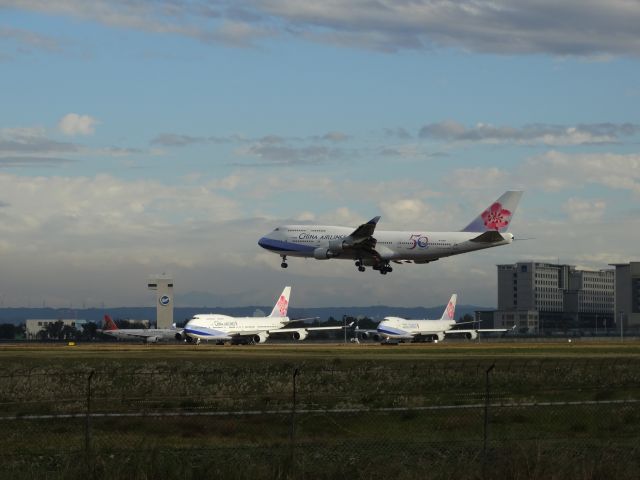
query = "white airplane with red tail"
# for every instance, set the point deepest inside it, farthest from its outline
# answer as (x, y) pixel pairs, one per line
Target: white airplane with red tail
(223, 328)
(397, 329)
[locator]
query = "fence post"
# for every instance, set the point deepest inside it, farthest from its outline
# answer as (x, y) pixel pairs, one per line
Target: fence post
(87, 425)
(486, 408)
(292, 432)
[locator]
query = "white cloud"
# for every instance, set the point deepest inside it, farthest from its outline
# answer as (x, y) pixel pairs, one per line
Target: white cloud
(583, 210)
(74, 124)
(480, 178)
(556, 170)
(542, 134)
(407, 211)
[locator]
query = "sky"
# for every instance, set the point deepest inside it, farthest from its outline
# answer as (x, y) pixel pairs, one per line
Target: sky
(141, 137)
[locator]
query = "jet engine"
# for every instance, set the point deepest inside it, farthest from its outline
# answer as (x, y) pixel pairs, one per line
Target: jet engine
(180, 337)
(471, 335)
(300, 334)
(151, 339)
(260, 337)
(336, 247)
(372, 335)
(321, 253)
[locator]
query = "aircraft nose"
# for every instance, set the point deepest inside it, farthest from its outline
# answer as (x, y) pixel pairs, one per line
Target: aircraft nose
(263, 242)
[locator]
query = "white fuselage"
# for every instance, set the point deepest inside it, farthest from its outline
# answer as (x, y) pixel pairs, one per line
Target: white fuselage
(146, 334)
(398, 327)
(208, 326)
(316, 241)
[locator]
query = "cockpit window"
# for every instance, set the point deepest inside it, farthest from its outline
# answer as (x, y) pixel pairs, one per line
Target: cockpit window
(277, 229)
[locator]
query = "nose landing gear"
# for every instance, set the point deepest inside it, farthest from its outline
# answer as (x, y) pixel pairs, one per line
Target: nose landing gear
(284, 262)
(360, 266)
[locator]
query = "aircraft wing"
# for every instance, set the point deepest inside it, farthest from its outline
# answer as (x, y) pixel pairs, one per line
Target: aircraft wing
(476, 330)
(308, 329)
(364, 231)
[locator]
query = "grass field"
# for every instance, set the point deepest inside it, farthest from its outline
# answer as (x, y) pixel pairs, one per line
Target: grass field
(359, 411)
(32, 353)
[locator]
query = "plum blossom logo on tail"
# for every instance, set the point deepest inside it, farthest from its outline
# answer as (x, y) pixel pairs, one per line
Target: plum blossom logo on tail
(451, 311)
(496, 217)
(282, 306)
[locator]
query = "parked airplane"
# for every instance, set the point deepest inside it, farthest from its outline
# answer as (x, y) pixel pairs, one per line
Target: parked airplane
(415, 246)
(400, 329)
(223, 328)
(147, 335)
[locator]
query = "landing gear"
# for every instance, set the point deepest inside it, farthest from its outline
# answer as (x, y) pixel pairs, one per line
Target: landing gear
(384, 269)
(360, 266)
(284, 262)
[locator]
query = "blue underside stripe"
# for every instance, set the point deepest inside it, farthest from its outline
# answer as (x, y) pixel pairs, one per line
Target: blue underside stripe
(394, 332)
(280, 246)
(210, 333)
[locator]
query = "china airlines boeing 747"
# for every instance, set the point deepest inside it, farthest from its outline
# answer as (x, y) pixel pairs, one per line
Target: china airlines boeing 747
(223, 328)
(397, 329)
(414, 246)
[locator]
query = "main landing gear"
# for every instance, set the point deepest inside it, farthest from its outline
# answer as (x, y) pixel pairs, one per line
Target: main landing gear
(284, 262)
(384, 269)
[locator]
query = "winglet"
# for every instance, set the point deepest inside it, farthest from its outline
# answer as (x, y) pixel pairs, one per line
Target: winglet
(498, 215)
(282, 305)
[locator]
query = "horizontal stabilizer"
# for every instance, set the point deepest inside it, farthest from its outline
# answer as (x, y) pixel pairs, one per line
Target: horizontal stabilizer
(489, 236)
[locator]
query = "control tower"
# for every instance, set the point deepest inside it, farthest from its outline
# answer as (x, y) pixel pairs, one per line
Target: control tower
(163, 285)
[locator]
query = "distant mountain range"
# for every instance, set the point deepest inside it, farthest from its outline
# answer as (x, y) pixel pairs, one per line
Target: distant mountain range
(180, 314)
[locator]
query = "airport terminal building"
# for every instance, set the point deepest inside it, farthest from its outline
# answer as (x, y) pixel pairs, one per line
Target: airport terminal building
(627, 299)
(535, 296)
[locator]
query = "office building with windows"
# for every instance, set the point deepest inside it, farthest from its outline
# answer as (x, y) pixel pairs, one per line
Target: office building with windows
(627, 297)
(536, 296)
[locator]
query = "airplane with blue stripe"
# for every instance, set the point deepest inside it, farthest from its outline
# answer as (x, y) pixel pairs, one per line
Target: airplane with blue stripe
(397, 329)
(224, 328)
(323, 242)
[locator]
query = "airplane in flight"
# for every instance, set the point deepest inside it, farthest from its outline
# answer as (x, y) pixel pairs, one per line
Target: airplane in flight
(323, 242)
(397, 329)
(223, 328)
(147, 335)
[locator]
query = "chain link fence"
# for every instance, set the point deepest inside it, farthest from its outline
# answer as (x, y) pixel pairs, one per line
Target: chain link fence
(532, 419)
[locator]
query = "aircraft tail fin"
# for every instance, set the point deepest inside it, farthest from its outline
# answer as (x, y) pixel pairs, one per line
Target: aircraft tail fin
(498, 215)
(450, 310)
(282, 305)
(109, 324)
